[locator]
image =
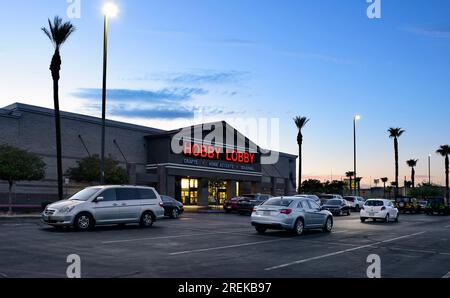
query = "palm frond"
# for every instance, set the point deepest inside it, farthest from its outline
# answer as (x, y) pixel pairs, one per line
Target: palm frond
(444, 150)
(395, 132)
(301, 122)
(58, 32)
(412, 162)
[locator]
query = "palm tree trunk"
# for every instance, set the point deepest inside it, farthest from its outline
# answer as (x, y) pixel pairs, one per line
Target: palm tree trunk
(447, 190)
(384, 189)
(300, 166)
(55, 68)
(413, 177)
(396, 166)
(351, 186)
(10, 198)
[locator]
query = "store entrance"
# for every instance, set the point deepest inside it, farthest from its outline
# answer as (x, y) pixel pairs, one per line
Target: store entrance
(189, 191)
(217, 192)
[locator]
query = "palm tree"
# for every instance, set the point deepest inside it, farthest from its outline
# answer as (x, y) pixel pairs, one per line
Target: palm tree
(58, 33)
(350, 175)
(412, 163)
(395, 133)
(358, 184)
(384, 180)
(376, 182)
(300, 122)
(444, 150)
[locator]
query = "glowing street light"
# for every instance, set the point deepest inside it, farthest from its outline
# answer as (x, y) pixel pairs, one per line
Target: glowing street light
(109, 10)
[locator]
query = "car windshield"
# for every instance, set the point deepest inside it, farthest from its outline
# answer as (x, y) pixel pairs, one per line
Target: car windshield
(278, 202)
(406, 200)
(334, 202)
(85, 194)
(374, 203)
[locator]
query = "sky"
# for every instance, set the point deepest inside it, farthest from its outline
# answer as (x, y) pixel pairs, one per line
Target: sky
(173, 63)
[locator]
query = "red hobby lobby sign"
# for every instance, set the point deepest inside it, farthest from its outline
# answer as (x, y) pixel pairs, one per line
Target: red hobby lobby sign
(216, 153)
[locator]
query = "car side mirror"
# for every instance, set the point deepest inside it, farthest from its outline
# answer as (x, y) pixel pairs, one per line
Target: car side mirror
(99, 199)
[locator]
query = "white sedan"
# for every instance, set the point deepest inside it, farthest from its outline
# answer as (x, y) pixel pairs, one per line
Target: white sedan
(379, 209)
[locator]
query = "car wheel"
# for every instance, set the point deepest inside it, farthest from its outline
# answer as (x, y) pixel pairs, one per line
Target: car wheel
(363, 220)
(83, 222)
(299, 227)
(260, 230)
(175, 213)
(386, 219)
(341, 213)
(146, 220)
(328, 225)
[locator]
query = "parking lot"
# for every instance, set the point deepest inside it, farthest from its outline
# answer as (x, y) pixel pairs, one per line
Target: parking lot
(225, 245)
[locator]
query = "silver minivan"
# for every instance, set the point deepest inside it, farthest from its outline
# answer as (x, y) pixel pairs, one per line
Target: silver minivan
(106, 205)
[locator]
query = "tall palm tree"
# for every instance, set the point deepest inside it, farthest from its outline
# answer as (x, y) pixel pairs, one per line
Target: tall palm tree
(412, 163)
(444, 150)
(300, 122)
(395, 133)
(376, 182)
(384, 180)
(58, 33)
(350, 175)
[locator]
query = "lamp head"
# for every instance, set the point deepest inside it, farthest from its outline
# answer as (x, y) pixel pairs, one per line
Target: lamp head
(110, 9)
(357, 117)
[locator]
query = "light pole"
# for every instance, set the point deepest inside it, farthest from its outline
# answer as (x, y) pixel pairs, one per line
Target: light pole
(109, 10)
(356, 118)
(429, 169)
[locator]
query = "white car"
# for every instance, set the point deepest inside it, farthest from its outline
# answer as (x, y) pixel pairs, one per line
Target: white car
(355, 202)
(379, 209)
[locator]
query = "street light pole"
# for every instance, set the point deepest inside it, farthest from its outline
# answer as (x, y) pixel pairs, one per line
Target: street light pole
(429, 169)
(109, 10)
(356, 118)
(105, 63)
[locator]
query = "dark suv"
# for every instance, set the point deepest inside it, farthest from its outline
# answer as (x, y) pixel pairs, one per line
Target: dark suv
(407, 204)
(247, 202)
(438, 206)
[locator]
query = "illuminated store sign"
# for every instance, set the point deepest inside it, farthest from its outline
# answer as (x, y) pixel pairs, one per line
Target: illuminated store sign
(216, 153)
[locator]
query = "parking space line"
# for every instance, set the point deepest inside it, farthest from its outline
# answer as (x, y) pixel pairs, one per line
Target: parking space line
(340, 252)
(447, 275)
(421, 251)
(222, 247)
(164, 237)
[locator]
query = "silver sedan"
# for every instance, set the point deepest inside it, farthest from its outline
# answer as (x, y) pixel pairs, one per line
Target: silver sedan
(291, 213)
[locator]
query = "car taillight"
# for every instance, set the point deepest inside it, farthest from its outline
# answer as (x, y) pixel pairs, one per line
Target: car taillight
(383, 208)
(286, 211)
(161, 204)
(254, 210)
(362, 207)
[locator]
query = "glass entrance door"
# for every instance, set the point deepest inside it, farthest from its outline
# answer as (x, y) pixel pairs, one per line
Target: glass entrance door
(189, 191)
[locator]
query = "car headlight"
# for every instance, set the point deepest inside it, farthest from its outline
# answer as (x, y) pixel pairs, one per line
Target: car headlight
(67, 209)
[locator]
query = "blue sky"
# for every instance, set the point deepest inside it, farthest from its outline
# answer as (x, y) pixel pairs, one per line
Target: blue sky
(174, 62)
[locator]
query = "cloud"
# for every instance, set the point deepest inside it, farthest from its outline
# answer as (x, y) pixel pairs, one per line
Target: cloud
(153, 113)
(196, 77)
(166, 95)
(430, 32)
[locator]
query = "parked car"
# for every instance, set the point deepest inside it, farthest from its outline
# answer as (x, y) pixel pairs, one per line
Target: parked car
(407, 204)
(248, 202)
(313, 197)
(337, 207)
(324, 198)
(105, 205)
(231, 204)
(291, 213)
(437, 206)
(423, 205)
(355, 202)
(172, 207)
(379, 209)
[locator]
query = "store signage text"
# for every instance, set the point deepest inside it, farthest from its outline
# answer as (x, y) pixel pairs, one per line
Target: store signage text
(215, 153)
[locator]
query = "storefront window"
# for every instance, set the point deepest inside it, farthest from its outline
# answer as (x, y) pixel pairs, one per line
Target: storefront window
(189, 191)
(217, 191)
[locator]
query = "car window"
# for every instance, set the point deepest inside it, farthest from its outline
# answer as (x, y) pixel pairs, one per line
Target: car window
(165, 199)
(334, 202)
(148, 194)
(127, 194)
(374, 203)
(313, 205)
(109, 195)
(278, 202)
(302, 205)
(85, 194)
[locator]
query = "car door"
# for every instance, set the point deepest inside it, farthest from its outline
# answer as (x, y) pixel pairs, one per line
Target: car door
(107, 210)
(130, 204)
(392, 210)
(313, 215)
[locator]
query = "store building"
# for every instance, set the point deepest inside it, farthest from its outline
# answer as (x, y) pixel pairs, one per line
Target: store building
(187, 164)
